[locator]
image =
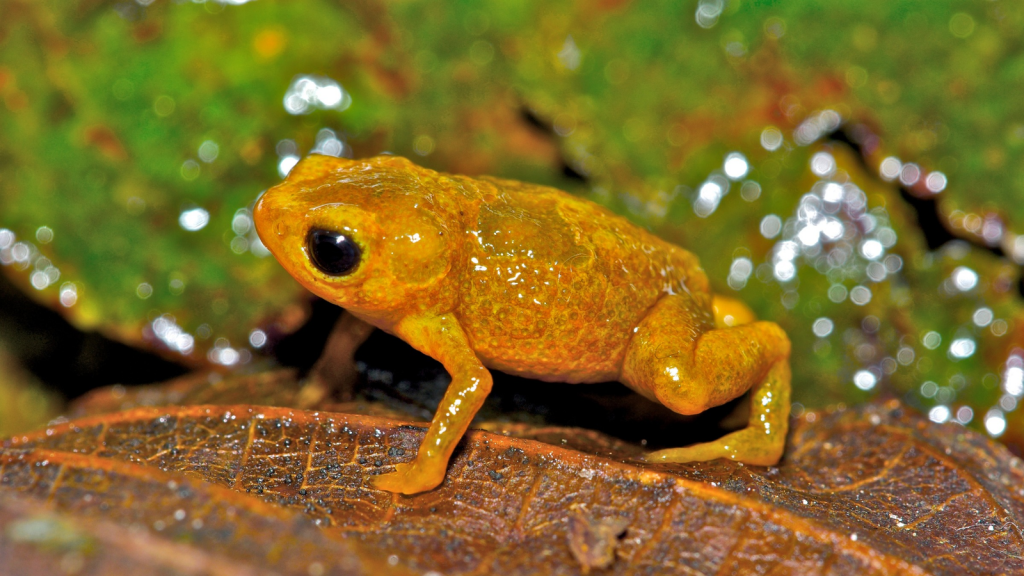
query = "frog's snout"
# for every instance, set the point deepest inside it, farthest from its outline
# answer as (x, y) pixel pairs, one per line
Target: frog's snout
(268, 217)
(264, 214)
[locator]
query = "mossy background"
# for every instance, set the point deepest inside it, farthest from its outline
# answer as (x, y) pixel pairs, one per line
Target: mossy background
(108, 112)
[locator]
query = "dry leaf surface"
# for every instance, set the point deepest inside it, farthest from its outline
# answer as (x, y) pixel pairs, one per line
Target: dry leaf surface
(868, 491)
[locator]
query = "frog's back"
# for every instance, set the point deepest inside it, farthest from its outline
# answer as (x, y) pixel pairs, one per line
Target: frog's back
(553, 286)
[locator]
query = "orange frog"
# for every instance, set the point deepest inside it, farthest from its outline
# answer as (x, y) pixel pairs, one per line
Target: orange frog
(485, 273)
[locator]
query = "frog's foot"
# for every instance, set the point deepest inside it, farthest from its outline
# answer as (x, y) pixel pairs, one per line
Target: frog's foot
(761, 443)
(750, 446)
(409, 478)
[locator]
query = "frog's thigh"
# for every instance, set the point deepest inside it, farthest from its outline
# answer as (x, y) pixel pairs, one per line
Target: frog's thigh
(730, 312)
(690, 366)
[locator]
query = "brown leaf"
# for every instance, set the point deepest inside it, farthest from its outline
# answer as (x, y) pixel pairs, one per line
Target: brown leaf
(120, 514)
(272, 388)
(593, 540)
(871, 491)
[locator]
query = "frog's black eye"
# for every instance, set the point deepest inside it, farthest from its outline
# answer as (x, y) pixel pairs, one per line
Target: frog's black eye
(333, 253)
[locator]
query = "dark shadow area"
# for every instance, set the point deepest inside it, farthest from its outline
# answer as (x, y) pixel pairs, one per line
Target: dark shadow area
(533, 121)
(302, 348)
(545, 127)
(66, 359)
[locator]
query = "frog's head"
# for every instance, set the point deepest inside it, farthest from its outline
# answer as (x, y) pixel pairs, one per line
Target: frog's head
(369, 235)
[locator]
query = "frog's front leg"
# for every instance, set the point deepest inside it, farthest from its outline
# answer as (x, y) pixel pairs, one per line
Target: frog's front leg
(440, 337)
(680, 357)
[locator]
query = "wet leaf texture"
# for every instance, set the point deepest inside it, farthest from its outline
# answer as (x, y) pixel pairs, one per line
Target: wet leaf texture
(246, 489)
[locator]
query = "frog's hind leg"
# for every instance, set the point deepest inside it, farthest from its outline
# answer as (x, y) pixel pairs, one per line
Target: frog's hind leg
(761, 442)
(687, 361)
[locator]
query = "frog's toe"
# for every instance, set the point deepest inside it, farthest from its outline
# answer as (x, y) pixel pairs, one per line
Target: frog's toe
(408, 479)
(750, 446)
(695, 453)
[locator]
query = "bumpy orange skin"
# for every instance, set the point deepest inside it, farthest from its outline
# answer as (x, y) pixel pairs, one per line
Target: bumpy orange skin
(488, 273)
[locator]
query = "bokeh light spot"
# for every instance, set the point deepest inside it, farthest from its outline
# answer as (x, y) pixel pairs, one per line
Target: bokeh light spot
(964, 415)
(208, 151)
(982, 317)
(961, 25)
(995, 423)
(939, 414)
(44, 234)
(865, 380)
(910, 174)
(309, 93)
(932, 340)
(823, 164)
(708, 12)
(771, 138)
(872, 249)
(890, 168)
(935, 182)
(257, 338)
(750, 191)
(194, 219)
(860, 295)
(822, 327)
(962, 348)
(837, 293)
(285, 165)
(964, 278)
(190, 169)
(68, 294)
(771, 225)
(735, 166)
